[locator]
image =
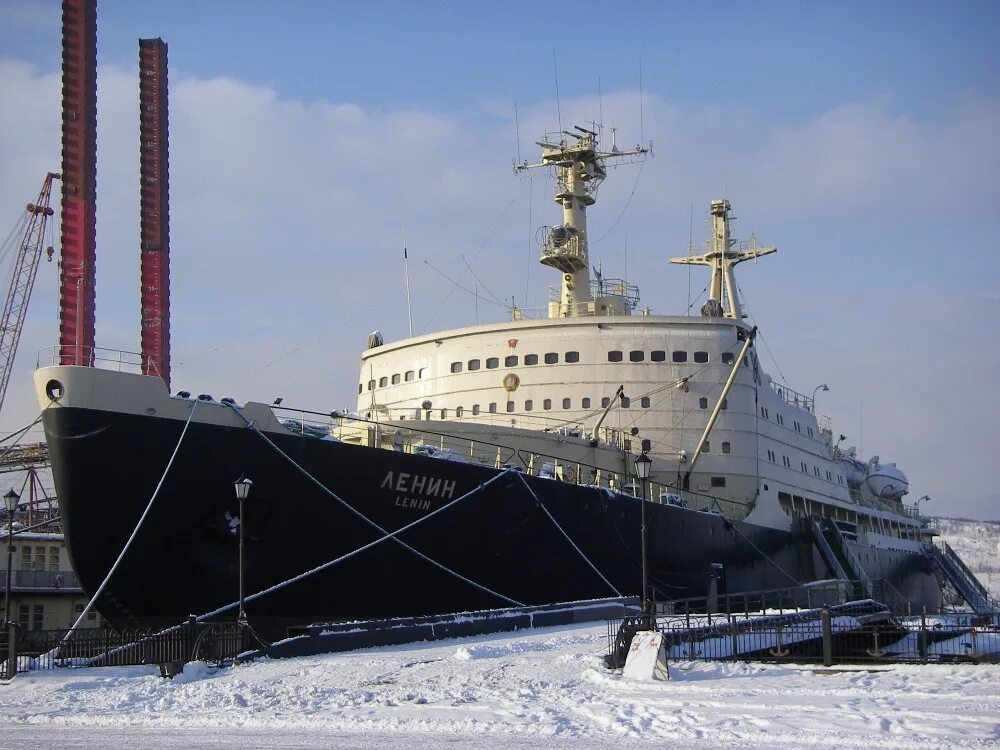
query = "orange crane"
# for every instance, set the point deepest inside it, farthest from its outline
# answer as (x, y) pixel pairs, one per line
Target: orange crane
(22, 279)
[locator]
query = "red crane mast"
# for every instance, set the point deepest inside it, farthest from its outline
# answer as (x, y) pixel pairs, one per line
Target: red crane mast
(22, 280)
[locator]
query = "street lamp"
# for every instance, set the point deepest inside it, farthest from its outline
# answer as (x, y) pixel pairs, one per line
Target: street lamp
(10, 500)
(823, 387)
(242, 486)
(642, 466)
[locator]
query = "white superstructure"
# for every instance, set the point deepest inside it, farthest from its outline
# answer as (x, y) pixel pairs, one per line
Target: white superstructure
(592, 380)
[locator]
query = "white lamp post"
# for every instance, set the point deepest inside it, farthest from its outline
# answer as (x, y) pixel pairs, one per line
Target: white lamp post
(823, 387)
(10, 501)
(242, 486)
(642, 466)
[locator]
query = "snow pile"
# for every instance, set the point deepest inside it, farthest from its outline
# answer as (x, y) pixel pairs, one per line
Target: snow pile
(978, 544)
(510, 691)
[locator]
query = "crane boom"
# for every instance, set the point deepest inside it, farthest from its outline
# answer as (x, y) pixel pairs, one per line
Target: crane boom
(22, 280)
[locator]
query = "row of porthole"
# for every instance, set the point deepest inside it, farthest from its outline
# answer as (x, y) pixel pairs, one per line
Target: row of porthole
(773, 458)
(511, 360)
(529, 405)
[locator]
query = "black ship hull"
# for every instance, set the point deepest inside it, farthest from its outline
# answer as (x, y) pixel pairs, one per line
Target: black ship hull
(184, 560)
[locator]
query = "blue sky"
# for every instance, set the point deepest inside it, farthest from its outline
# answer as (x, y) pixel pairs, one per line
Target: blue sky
(860, 138)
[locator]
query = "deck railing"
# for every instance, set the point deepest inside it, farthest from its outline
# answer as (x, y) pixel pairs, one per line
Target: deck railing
(92, 356)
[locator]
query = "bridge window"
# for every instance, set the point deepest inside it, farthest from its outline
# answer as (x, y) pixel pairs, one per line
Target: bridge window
(492, 363)
(408, 377)
(726, 447)
(658, 356)
(531, 359)
(566, 403)
(383, 382)
(718, 481)
(551, 358)
(680, 356)
(510, 360)
(728, 358)
(474, 364)
(572, 357)
(585, 403)
(644, 401)
(615, 356)
(396, 378)
(701, 357)
(547, 404)
(529, 405)
(636, 355)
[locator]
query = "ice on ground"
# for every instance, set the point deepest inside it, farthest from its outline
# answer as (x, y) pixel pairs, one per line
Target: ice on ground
(515, 690)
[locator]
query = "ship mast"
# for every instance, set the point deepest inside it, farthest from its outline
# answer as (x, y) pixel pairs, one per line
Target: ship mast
(580, 167)
(725, 253)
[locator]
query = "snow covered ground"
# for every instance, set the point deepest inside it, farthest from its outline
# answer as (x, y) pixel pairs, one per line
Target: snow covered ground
(544, 688)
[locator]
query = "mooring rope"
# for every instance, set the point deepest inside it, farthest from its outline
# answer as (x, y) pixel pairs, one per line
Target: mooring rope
(386, 534)
(567, 536)
(135, 532)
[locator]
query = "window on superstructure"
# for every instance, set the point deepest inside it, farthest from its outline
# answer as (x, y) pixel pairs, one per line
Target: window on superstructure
(459, 411)
(805, 469)
(444, 414)
(726, 447)
(475, 410)
(492, 363)
(706, 447)
(786, 462)
(566, 403)
(421, 373)
(614, 356)
(408, 377)
(780, 419)
(493, 408)
(644, 402)
(529, 405)
(572, 357)
(840, 479)
(23, 615)
(680, 356)
(798, 428)
(829, 476)
(371, 385)
(816, 470)
(25, 557)
(474, 364)
(763, 412)
(551, 358)
(395, 379)
(810, 431)
(510, 406)
(725, 404)
(53, 558)
(728, 358)
(604, 402)
(702, 403)
(38, 617)
(510, 360)
(39, 558)
(701, 357)
(658, 356)
(636, 355)
(770, 456)
(547, 404)
(718, 481)
(361, 387)
(531, 359)
(585, 403)
(626, 402)
(383, 382)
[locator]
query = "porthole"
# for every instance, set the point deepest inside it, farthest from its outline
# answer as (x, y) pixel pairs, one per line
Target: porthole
(636, 355)
(615, 356)
(658, 356)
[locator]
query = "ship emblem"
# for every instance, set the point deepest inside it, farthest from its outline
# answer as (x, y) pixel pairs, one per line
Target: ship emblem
(511, 343)
(511, 382)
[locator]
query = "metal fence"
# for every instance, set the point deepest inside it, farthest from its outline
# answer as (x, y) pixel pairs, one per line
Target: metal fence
(24, 650)
(852, 633)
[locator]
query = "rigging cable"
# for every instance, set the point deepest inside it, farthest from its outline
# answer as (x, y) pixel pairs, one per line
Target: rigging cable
(387, 535)
(566, 536)
(135, 532)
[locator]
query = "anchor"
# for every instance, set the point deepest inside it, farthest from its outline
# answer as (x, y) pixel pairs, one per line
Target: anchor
(875, 652)
(778, 650)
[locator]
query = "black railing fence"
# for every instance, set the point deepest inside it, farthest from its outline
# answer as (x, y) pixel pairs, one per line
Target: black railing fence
(851, 633)
(26, 650)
